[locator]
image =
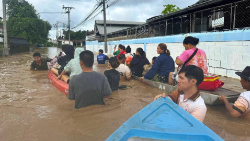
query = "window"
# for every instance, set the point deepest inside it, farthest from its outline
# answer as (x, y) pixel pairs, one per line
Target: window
(218, 19)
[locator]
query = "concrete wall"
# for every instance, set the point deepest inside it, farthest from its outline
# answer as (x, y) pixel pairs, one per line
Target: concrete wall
(227, 52)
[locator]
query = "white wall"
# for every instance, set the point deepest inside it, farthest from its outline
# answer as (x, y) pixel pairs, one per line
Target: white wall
(224, 58)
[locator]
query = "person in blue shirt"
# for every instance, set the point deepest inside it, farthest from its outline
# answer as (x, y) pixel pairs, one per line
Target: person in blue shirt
(163, 65)
(101, 58)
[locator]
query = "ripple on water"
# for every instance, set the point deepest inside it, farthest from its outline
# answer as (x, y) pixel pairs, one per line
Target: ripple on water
(44, 111)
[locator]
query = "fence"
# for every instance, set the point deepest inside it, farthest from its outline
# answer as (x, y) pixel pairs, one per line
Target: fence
(232, 16)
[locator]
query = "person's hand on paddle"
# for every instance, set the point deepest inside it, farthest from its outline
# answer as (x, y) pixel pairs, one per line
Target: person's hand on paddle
(161, 95)
(222, 98)
(142, 78)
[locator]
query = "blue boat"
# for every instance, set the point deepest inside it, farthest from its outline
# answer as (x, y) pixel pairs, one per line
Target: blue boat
(163, 120)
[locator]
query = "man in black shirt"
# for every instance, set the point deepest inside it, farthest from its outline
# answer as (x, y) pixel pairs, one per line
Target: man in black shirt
(39, 63)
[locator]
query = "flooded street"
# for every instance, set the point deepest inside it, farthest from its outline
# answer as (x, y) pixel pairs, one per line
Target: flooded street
(33, 110)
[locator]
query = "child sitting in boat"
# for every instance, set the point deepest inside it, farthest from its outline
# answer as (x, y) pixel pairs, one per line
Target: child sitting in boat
(89, 87)
(112, 74)
(191, 56)
(163, 65)
(123, 69)
(241, 108)
(53, 62)
(63, 61)
(138, 61)
(39, 63)
(73, 67)
(187, 96)
(101, 58)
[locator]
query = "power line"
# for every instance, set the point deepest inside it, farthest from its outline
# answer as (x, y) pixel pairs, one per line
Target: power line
(50, 12)
(87, 20)
(96, 7)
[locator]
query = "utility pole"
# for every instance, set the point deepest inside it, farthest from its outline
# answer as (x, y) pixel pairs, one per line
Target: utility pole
(68, 11)
(56, 26)
(105, 29)
(5, 49)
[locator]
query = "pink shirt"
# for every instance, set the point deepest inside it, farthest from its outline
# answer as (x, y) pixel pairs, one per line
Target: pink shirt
(200, 59)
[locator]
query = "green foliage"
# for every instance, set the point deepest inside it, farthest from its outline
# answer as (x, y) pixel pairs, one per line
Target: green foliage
(169, 9)
(79, 35)
(49, 44)
(23, 22)
(1, 47)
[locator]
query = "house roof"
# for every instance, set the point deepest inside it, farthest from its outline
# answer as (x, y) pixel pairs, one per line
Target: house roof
(111, 29)
(91, 37)
(200, 5)
(101, 22)
(18, 41)
(113, 26)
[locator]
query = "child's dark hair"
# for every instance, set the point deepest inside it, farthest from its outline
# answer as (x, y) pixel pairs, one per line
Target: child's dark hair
(122, 58)
(87, 58)
(37, 54)
(154, 58)
(114, 62)
(193, 72)
(164, 47)
(128, 49)
(101, 51)
(141, 52)
(191, 40)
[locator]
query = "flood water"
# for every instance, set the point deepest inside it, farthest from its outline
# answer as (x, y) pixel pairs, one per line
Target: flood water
(31, 109)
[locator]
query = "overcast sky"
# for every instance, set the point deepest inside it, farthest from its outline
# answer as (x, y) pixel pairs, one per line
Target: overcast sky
(124, 10)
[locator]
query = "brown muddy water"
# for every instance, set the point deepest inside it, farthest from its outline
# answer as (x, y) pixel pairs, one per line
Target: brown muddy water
(31, 109)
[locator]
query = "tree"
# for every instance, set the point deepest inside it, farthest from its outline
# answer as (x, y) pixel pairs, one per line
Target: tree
(24, 22)
(79, 35)
(169, 9)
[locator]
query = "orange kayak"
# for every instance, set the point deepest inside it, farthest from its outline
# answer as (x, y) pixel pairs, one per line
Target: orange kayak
(59, 84)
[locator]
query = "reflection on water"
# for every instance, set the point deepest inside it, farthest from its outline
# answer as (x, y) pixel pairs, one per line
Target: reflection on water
(32, 109)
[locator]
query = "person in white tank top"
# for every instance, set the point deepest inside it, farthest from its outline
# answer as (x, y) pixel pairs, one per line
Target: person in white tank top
(241, 108)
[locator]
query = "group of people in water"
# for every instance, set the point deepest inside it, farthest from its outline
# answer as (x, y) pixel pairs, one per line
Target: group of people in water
(87, 87)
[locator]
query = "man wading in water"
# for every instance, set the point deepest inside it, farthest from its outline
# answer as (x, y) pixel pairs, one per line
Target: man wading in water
(187, 96)
(89, 87)
(39, 63)
(241, 107)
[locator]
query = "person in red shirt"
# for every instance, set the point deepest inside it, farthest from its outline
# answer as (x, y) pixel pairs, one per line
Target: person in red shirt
(122, 50)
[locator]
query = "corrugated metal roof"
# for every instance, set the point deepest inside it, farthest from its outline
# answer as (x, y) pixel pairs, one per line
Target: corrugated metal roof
(18, 41)
(91, 37)
(100, 22)
(198, 5)
(111, 29)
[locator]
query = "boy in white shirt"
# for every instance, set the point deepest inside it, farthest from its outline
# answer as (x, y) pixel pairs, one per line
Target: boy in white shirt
(241, 108)
(124, 69)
